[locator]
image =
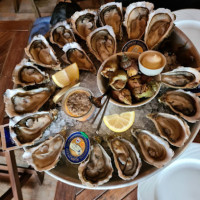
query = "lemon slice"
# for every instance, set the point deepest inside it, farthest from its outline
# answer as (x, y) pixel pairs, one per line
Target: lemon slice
(120, 122)
(66, 76)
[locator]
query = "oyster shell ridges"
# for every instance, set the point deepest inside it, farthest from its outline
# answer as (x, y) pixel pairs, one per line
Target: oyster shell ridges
(155, 150)
(26, 73)
(171, 127)
(28, 128)
(97, 164)
(46, 155)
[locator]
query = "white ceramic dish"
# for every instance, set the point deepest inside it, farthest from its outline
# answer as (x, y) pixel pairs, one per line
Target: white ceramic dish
(102, 82)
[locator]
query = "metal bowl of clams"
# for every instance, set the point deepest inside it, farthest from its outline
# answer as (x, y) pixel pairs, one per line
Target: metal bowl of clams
(111, 73)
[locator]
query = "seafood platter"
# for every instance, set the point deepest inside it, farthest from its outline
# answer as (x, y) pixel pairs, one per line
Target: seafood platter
(156, 83)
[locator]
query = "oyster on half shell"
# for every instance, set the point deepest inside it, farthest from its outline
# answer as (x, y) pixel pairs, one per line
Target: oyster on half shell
(136, 18)
(155, 150)
(46, 155)
(61, 34)
(27, 128)
(19, 101)
(102, 42)
(186, 104)
(181, 77)
(97, 169)
(159, 26)
(127, 159)
(40, 52)
(75, 54)
(84, 22)
(111, 14)
(171, 127)
(26, 73)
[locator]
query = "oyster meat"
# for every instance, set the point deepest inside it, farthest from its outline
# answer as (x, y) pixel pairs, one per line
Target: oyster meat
(75, 54)
(159, 26)
(118, 80)
(109, 68)
(171, 127)
(46, 155)
(40, 52)
(136, 18)
(19, 101)
(186, 104)
(26, 73)
(111, 14)
(61, 34)
(97, 169)
(84, 22)
(155, 150)
(127, 159)
(181, 77)
(27, 128)
(102, 42)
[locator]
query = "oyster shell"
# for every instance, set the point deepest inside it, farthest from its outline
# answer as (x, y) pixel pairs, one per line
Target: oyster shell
(27, 128)
(26, 73)
(111, 14)
(102, 42)
(40, 52)
(170, 127)
(109, 68)
(123, 96)
(84, 22)
(19, 101)
(136, 18)
(155, 150)
(46, 155)
(127, 159)
(61, 34)
(181, 77)
(159, 26)
(118, 80)
(97, 169)
(186, 104)
(74, 53)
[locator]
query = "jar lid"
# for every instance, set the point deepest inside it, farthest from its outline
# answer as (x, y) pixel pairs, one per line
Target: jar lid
(77, 147)
(137, 46)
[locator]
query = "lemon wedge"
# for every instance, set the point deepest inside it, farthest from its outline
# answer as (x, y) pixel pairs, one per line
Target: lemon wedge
(66, 76)
(120, 122)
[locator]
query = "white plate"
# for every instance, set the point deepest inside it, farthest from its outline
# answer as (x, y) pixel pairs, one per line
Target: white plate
(188, 20)
(149, 189)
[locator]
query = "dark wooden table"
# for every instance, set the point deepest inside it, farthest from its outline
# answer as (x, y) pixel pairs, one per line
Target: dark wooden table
(13, 38)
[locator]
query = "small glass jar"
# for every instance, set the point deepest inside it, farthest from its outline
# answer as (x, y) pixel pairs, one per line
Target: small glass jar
(76, 103)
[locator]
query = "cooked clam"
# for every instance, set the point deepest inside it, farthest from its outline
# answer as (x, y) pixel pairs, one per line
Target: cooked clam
(27, 128)
(155, 150)
(109, 68)
(40, 52)
(46, 155)
(61, 34)
(186, 104)
(118, 80)
(26, 73)
(75, 54)
(84, 22)
(159, 26)
(136, 18)
(170, 127)
(111, 14)
(127, 159)
(19, 101)
(123, 96)
(97, 169)
(181, 77)
(102, 42)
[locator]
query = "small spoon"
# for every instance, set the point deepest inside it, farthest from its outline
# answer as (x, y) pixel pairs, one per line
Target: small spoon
(97, 100)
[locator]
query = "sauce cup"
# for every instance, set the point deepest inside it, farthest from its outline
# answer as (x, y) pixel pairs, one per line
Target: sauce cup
(151, 63)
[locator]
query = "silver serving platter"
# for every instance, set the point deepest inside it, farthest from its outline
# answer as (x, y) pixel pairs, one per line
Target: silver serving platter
(187, 55)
